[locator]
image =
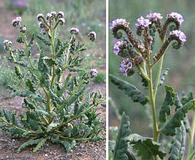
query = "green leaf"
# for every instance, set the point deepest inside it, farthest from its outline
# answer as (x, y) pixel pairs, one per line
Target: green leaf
(40, 145)
(129, 89)
(121, 148)
(175, 122)
(168, 101)
(178, 144)
(30, 85)
(146, 148)
(30, 142)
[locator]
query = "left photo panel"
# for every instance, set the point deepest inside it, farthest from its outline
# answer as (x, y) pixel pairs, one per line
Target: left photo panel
(53, 79)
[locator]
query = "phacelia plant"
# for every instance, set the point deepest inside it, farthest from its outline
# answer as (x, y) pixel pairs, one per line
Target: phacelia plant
(170, 122)
(58, 105)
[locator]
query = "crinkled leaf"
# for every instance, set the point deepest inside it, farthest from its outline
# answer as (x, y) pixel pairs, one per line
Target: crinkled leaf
(40, 145)
(145, 147)
(168, 102)
(30, 142)
(175, 122)
(178, 144)
(121, 148)
(129, 89)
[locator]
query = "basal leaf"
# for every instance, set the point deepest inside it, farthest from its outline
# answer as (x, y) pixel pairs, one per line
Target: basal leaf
(30, 142)
(175, 122)
(129, 89)
(40, 145)
(168, 101)
(121, 148)
(145, 147)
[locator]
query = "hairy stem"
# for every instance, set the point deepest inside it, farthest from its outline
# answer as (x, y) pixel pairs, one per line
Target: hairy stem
(153, 106)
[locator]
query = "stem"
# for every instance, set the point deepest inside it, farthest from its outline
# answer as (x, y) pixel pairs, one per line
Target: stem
(153, 107)
(158, 75)
(53, 55)
(191, 136)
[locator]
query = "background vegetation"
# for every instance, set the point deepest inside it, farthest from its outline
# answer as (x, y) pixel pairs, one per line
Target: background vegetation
(181, 63)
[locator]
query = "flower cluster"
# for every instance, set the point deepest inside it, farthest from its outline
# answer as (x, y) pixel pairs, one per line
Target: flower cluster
(74, 30)
(7, 44)
(119, 22)
(176, 16)
(93, 73)
(154, 17)
(51, 21)
(118, 47)
(92, 36)
(146, 27)
(17, 22)
(177, 34)
(126, 67)
(142, 23)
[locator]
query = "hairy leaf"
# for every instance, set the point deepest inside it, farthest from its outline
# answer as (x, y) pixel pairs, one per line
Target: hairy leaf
(30, 142)
(168, 101)
(175, 122)
(178, 144)
(146, 148)
(129, 89)
(121, 148)
(40, 145)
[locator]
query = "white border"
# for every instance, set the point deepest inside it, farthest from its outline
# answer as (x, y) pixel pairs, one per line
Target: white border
(107, 87)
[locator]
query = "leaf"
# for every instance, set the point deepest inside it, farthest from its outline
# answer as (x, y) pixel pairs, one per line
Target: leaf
(30, 142)
(178, 144)
(175, 122)
(168, 101)
(30, 85)
(40, 144)
(146, 148)
(121, 148)
(129, 89)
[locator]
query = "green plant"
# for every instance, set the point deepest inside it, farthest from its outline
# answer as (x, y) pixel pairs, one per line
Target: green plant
(139, 56)
(57, 107)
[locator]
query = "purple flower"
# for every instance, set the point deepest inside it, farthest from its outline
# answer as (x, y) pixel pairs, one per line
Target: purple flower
(142, 23)
(118, 22)
(179, 34)
(176, 16)
(126, 66)
(117, 47)
(93, 72)
(153, 17)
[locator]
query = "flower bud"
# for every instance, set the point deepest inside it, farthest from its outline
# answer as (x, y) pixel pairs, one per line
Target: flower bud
(53, 13)
(92, 36)
(23, 29)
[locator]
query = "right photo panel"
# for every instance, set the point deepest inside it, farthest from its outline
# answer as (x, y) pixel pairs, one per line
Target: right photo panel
(151, 80)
